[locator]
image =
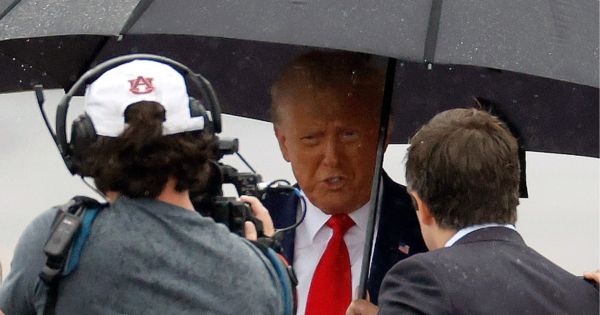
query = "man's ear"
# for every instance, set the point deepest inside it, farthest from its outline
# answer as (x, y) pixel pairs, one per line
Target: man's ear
(423, 210)
(281, 138)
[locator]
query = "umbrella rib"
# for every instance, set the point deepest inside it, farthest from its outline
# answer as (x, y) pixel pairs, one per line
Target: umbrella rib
(432, 31)
(139, 9)
(376, 189)
(10, 7)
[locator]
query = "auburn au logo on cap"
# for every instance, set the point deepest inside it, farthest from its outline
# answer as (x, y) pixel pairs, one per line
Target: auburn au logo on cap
(141, 85)
(107, 98)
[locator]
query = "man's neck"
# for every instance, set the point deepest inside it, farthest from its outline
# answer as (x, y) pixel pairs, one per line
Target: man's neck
(168, 195)
(441, 237)
(178, 198)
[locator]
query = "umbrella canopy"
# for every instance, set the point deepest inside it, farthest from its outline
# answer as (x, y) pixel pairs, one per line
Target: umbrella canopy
(548, 115)
(42, 42)
(548, 38)
(54, 42)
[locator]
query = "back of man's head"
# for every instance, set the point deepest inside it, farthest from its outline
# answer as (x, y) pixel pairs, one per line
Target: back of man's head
(464, 165)
(348, 74)
(146, 133)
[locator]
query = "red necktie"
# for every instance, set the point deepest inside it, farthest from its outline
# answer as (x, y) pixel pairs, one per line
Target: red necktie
(331, 287)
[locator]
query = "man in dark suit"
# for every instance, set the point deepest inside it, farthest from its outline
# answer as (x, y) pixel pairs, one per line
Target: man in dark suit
(325, 109)
(462, 170)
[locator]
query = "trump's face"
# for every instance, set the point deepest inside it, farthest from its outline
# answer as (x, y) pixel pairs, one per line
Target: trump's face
(330, 141)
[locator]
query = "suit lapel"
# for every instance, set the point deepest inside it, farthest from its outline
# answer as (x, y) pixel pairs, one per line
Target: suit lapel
(398, 233)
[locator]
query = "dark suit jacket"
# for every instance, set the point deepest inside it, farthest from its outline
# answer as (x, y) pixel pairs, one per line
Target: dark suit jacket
(488, 271)
(398, 226)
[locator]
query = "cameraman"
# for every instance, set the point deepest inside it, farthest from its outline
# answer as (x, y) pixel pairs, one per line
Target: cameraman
(149, 251)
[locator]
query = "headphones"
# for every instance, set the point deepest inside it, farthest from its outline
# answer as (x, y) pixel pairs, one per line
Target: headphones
(83, 133)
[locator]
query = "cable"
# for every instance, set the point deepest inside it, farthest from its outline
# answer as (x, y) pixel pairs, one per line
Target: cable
(94, 189)
(245, 162)
(285, 181)
(295, 225)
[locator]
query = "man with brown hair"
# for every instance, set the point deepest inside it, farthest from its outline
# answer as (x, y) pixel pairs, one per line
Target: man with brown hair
(148, 251)
(326, 108)
(462, 170)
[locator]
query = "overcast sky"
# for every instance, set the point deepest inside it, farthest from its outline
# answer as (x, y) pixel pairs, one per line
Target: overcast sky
(560, 218)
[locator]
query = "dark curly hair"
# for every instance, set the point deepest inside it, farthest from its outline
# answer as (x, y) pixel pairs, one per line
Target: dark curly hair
(464, 164)
(139, 162)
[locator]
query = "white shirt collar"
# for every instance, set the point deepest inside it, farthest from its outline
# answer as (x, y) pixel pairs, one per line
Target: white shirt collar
(315, 218)
(464, 231)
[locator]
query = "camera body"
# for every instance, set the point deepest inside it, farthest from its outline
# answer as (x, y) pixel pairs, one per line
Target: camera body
(228, 210)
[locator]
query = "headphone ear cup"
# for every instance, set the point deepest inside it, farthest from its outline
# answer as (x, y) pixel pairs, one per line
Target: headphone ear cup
(198, 110)
(83, 135)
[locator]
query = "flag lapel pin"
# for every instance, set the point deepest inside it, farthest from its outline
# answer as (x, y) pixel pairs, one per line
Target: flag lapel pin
(403, 248)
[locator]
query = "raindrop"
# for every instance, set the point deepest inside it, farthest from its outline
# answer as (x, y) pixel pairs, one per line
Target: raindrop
(14, 59)
(535, 96)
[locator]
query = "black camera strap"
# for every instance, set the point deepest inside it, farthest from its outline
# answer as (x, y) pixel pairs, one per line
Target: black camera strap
(70, 230)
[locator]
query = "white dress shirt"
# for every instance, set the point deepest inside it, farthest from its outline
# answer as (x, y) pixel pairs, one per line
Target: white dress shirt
(311, 239)
(464, 231)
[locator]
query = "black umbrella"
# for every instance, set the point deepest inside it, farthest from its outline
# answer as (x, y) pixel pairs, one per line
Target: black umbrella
(548, 38)
(549, 115)
(54, 42)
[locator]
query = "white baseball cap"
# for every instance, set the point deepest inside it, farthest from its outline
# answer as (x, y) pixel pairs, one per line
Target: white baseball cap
(107, 98)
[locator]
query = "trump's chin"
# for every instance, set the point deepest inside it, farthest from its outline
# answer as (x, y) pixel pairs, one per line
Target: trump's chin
(334, 204)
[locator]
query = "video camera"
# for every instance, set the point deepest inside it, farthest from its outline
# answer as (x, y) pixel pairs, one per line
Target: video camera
(228, 210)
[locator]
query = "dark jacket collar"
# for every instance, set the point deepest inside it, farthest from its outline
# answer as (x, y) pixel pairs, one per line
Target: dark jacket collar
(492, 234)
